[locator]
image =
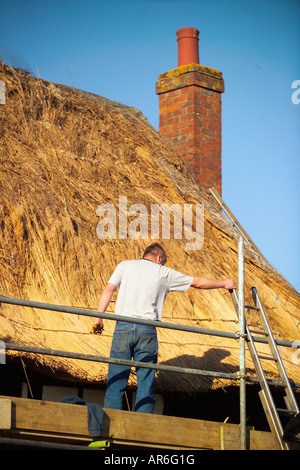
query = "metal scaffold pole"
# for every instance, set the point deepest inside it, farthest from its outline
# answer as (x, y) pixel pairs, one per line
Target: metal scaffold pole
(242, 343)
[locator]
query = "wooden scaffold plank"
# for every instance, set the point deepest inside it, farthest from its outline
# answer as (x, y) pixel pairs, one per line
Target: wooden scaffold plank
(67, 421)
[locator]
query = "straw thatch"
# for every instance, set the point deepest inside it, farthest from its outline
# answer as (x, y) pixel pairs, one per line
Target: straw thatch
(64, 152)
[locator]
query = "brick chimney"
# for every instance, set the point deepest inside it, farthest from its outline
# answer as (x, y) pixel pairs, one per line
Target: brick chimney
(190, 111)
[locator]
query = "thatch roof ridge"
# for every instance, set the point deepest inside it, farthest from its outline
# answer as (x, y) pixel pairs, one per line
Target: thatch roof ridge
(64, 152)
(129, 112)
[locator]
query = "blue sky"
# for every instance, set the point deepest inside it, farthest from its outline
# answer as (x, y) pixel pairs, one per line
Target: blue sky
(117, 49)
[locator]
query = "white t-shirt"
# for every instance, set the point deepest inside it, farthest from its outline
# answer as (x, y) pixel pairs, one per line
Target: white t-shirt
(144, 286)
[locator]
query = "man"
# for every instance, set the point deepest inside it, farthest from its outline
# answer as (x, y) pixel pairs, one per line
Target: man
(143, 285)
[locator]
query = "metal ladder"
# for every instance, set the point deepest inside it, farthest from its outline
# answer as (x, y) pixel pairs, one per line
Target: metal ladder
(271, 411)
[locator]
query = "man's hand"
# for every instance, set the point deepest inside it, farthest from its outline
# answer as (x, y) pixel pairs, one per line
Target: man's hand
(97, 328)
(230, 284)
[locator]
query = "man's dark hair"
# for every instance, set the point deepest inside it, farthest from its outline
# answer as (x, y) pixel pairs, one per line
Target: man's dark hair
(156, 249)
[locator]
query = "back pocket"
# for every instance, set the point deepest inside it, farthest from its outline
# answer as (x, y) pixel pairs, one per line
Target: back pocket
(148, 342)
(119, 341)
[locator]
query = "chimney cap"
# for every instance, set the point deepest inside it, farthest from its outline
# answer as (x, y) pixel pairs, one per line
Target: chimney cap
(188, 52)
(187, 33)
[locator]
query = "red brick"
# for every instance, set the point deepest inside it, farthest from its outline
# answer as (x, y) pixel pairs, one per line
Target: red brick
(180, 98)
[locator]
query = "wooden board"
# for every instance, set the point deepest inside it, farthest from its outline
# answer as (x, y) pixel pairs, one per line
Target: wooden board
(5, 413)
(70, 421)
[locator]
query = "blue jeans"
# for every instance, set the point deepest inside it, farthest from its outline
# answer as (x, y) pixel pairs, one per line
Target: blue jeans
(131, 340)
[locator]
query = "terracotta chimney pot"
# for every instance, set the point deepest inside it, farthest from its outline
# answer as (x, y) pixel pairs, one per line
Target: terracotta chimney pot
(188, 52)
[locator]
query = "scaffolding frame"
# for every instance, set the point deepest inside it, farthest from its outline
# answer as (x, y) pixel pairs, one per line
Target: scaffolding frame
(239, 335)
(238, 376)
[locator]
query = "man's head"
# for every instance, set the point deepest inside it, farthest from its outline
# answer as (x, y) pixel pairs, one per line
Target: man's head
(155, 253)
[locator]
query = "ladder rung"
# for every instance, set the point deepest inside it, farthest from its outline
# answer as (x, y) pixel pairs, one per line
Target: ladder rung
(276, 383)
(251, 307)
(285, 411)
(268, 358)
(259, 332)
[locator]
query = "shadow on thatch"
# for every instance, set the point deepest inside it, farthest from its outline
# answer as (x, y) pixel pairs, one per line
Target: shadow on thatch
(212, 360)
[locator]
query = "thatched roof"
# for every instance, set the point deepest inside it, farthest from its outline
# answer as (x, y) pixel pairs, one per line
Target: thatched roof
(64, 152)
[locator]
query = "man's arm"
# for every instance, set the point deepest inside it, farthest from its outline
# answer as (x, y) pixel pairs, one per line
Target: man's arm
(205, 283)
(104, 300)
